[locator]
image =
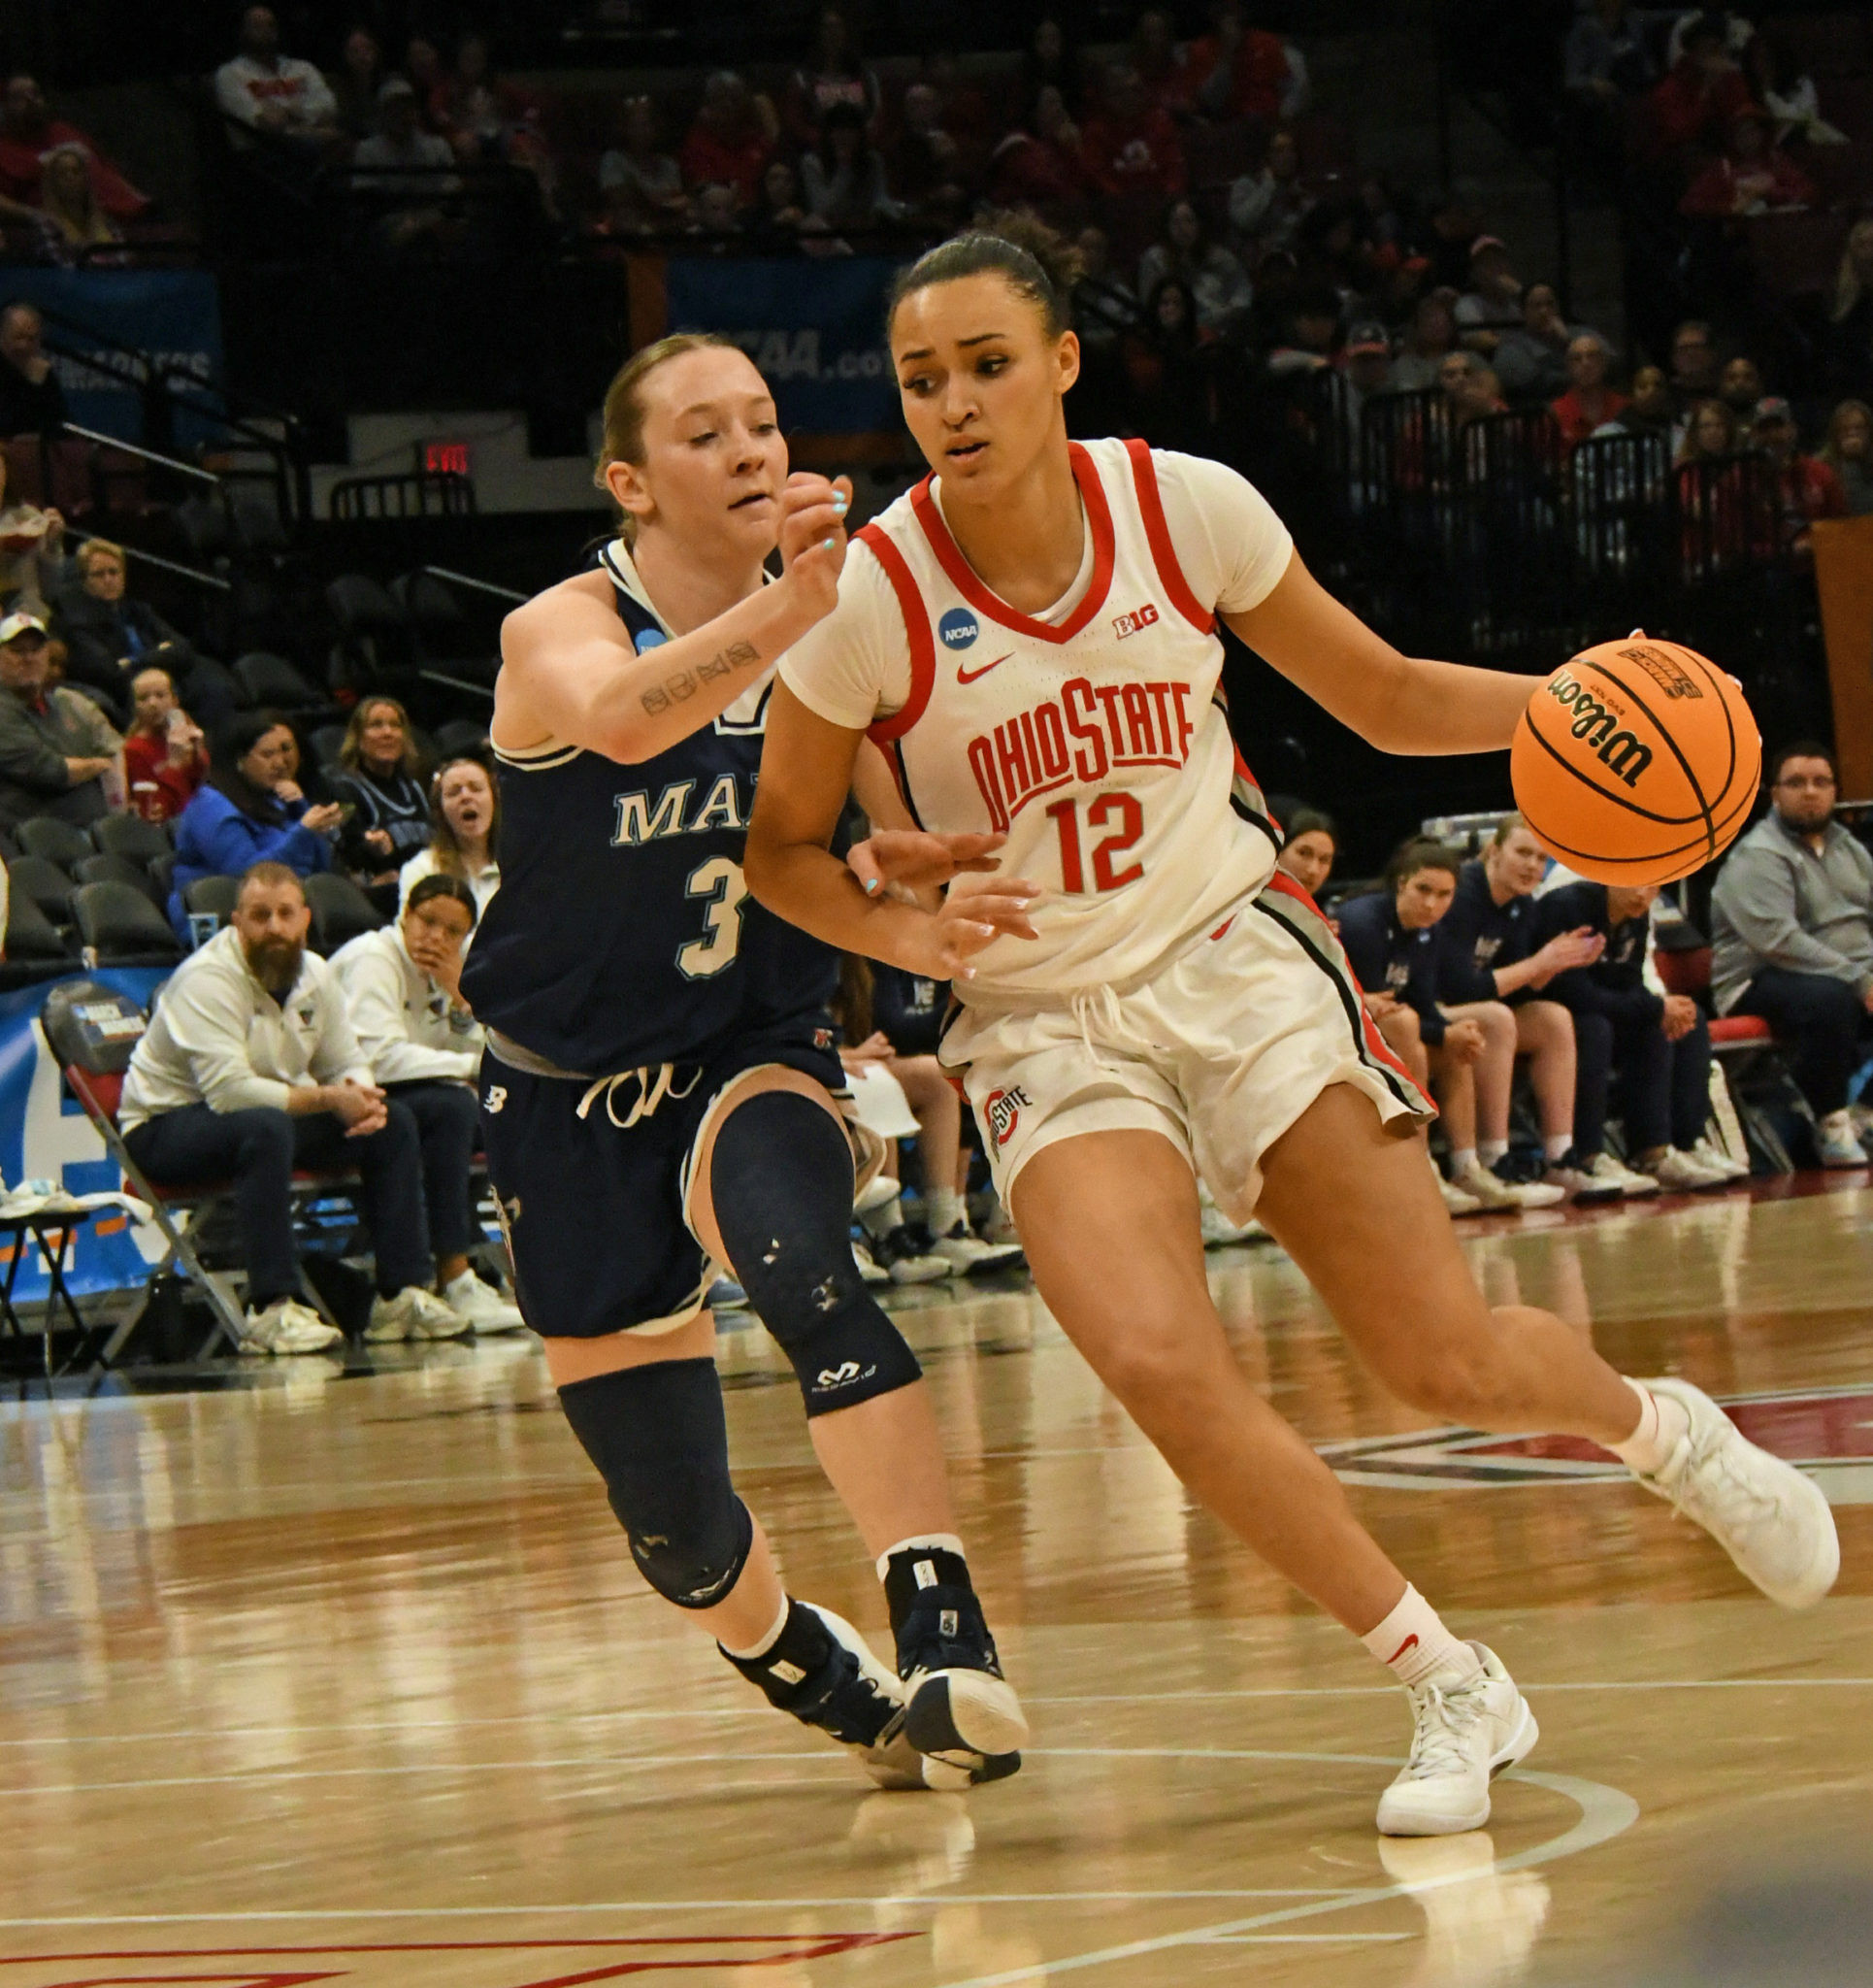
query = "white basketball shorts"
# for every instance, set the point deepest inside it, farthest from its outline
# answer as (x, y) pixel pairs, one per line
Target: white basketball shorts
(1221, 1051)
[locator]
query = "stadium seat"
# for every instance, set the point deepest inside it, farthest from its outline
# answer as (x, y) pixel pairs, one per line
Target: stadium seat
(375, 648)
(33, 941)
(445, 646)
(132, 837)
(45, 883)
(117, 926)
(325, 741)
(461, 735)
(341, 911)
(268, 682)
(57, 841)
(109, 869)
(214, 894)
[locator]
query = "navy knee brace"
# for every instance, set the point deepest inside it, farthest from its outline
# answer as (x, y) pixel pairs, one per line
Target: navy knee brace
(781, 1183)
(659, 1440)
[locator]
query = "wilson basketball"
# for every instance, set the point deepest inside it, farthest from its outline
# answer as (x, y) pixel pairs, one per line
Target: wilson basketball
(1637, 762)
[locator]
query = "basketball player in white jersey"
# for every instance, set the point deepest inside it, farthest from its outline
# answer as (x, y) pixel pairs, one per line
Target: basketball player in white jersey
(1030, 635)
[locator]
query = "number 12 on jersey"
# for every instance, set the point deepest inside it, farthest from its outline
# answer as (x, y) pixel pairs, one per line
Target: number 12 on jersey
(1123, 815)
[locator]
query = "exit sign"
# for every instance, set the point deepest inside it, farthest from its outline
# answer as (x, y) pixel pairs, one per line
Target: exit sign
(445, 458)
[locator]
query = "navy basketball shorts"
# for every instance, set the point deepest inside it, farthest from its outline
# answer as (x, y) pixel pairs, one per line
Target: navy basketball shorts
(591, 1177)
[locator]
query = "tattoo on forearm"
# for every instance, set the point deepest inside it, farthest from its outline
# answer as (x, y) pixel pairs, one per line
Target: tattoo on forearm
(675, 689)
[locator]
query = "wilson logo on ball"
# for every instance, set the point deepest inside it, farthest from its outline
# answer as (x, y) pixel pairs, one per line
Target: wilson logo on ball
(1619, 750)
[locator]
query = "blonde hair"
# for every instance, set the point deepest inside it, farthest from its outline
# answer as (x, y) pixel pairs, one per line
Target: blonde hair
(90, 549)
(1829, 450)
(624, 408)
(1507, 827)
(1847, 284)
(352, 752)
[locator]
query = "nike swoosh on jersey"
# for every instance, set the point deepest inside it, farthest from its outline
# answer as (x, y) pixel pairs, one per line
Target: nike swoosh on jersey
(964, 676)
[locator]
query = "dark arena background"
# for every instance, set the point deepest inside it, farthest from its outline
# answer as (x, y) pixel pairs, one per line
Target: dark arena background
(1537, 323)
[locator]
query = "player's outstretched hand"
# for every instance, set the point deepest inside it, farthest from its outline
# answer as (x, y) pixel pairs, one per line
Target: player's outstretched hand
(812, 535)
(918, 860)
(971, 919)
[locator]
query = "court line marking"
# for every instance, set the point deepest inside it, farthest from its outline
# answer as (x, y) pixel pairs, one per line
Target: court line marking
(761, 1712)
(1605, 1812)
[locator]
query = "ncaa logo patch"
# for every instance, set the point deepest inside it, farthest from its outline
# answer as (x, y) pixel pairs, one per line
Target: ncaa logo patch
(648, 638)
(958, 628)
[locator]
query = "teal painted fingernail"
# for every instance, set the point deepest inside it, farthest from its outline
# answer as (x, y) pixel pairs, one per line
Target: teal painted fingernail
(870, 885)
(842, 503)
(826, 545)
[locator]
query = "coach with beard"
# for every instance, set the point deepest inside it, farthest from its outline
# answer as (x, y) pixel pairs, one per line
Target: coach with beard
(249, 1070)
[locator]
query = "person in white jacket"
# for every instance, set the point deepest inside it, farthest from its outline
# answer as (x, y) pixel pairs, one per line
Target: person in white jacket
(403, 989)
(250, 1069)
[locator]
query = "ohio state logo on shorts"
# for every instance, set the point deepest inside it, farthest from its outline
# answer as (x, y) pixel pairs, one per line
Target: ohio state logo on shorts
(1004, 1111)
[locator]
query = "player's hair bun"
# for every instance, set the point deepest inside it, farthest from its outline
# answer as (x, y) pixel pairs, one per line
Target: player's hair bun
(1039, 262)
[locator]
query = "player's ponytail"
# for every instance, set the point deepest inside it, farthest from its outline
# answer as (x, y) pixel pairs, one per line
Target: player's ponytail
(1038, 263)
(624, 408)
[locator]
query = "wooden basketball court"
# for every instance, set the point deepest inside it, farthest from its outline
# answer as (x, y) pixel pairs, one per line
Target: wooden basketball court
(347, 1677)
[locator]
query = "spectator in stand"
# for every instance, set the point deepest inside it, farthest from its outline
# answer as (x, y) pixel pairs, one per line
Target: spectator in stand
(277, 95)
(833, 73)
(1162, 67)
(1465, 1051)
(1217, 280)
(1429, 341)
(403, 993)
(1532, 361)
(1312, 333)
(780, 218)
(57, 750)
(1040, 163)
(1650, 411)
(923, 165)
(486, 119)
(32, 553)
(109, 637)
(844, 178)
(1792, 937)
(165, 757)
(250, 1069)
(1268, 206)
(1750, 177)
(1366, 367)
(1050, 60)
(379, 772)
(1711, 431)
(422, 63)
(1454, 223)
(1471, 390)
(1723, 525)
(1172, 384)
(464, 828)
(1308, 849)
(1850, 317)
(641, 187)
(1492, 303)
(1606, 63)
(32, 401)
(1695, 370)
(1128, 148)
(249, 811)
(354, 88)
(1238, 71)
(29, 133)
(413, 171)
(1809, 489)
(1659, 1044)
(69, 202)
(1590, 404)
(1849, 453)
(732, 138)
(1493, 950)
(1104, 304)
(1741, 386)
(1702, 95)
(715, 217)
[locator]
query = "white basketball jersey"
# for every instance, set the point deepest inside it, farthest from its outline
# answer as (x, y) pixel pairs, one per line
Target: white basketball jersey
(1098, 744)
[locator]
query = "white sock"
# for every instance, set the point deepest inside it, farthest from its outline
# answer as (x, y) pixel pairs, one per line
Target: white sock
(1663, 1425)
(768, 1642)
(1557, 1146)
(878, 1222)
(943, 1209)
(1492, 1150)
(1413, 1644)
(1461, 1160)
(927, 1542)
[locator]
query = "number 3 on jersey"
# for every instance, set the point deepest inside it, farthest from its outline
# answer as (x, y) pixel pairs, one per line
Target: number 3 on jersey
(1124, 814)
(719, 880)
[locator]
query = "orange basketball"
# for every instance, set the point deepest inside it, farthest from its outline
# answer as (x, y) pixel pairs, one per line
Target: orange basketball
(1637, 762)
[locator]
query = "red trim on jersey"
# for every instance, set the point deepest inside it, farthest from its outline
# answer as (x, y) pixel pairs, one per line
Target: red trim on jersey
(1163, 554)
(916, 628)
(1376, 1043)
(962, 575)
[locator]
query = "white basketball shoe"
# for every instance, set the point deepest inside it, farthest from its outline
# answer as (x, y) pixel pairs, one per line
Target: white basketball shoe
(1464, 1735)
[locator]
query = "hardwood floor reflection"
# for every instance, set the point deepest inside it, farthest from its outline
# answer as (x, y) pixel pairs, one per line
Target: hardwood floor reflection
(356, 1667)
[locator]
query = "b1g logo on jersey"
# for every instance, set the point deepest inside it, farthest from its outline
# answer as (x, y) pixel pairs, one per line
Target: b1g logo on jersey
(1004, 1111)
(1130, 624)
(958, 628)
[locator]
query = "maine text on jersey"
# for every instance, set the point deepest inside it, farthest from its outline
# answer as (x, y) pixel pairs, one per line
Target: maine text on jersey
(638, 823)
(1081, 735)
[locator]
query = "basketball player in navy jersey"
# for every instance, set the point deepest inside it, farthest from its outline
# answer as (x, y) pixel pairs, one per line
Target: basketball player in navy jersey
(655, 1091)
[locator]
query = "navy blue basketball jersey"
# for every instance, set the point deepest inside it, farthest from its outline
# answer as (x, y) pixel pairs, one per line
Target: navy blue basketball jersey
(623, 932)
